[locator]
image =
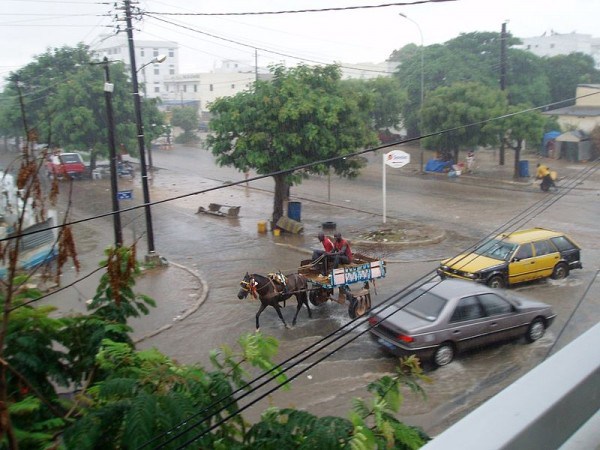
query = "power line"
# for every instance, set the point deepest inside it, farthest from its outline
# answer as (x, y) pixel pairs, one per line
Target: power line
(525, 216)
(302, 166)
(300, 11)
(254, 47)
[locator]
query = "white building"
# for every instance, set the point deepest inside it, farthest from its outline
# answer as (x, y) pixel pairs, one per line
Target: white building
(554, 44)
(200, 89)
(151, 75)
(368, 70)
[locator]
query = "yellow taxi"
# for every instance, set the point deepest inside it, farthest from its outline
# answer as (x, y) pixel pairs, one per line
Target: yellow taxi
(516, 257)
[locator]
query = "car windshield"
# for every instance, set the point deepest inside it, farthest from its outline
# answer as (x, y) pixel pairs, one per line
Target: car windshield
(496, 249)
(424, 304)
(70, 158)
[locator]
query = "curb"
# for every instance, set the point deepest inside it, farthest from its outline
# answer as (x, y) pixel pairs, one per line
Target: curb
(199, 302)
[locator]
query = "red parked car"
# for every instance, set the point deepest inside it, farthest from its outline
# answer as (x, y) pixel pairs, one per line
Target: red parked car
(63, 165)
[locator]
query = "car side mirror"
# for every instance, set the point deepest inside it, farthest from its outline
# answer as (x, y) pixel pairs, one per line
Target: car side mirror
(515, 259)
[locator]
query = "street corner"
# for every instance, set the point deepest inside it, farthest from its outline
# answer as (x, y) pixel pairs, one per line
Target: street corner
(178, 291)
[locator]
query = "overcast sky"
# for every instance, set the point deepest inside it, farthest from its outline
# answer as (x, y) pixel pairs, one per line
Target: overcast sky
(29, 27)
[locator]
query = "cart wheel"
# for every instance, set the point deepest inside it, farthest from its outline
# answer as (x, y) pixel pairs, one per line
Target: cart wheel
(318, 296)
(359, 306)
(313, 297)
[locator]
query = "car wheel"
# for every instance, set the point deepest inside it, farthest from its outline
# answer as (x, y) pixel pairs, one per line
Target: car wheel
(444, 354)
(536, 330)
(561, 270)
(496, 282)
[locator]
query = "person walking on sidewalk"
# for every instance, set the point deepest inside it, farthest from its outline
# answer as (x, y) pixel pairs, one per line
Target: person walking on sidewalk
(343, 253)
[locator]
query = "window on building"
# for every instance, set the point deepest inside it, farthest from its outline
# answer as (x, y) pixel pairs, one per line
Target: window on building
(156, 89)
(233, 86)
(195, 88)
(142, 52)
(155, 52)
(185, 88)
(156, 71)
(171, 70)
(171, 53)
(551, 45)
(211, 87)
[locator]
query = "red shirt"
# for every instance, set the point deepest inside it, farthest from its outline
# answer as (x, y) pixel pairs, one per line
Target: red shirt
(327, 245)
(342, 245)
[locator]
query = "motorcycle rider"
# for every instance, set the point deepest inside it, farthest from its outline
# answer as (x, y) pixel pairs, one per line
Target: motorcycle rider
(543, 173)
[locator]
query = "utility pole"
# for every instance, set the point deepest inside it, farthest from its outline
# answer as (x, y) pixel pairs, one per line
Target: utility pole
(503, 37)
(108, 90)
(151, 256)
(255, 64)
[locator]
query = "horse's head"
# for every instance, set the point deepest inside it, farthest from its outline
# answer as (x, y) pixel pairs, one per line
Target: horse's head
(247, 285)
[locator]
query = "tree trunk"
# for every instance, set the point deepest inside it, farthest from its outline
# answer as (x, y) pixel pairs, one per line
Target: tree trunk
(280, 192)
(517, 149)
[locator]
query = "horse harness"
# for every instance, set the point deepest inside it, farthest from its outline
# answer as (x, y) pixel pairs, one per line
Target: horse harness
(251, 286)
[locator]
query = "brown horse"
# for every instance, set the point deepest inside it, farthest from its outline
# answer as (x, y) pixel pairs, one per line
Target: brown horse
(271, 293)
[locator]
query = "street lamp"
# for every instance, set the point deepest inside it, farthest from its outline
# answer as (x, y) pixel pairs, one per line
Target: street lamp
(156, 60)
(422, 80)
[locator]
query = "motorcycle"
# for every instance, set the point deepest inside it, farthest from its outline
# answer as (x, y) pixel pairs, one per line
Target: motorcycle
(548, 182)
(125, 170)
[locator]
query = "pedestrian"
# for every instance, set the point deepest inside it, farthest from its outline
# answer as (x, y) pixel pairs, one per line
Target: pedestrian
(342, 251)
(470, 162)
(321, 256)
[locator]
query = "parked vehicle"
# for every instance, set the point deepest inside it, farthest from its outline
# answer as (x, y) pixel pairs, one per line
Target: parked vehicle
(65, 165)
(440, 319)
(516, 257)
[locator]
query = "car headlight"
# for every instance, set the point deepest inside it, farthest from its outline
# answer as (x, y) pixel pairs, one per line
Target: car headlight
(444, 267)
(472, 276)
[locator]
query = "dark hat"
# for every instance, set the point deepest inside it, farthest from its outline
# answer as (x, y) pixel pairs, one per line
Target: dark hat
(337, 235)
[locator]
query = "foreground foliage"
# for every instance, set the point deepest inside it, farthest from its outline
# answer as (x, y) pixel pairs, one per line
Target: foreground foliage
(119, 397)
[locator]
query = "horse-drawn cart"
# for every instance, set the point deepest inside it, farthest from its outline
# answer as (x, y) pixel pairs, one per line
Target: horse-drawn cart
(363, 269)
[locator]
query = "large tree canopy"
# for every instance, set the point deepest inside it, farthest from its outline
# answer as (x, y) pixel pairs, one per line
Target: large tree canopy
(461, 111)
(304, 114)
(62, 92)
(565, 72)
(476, 57)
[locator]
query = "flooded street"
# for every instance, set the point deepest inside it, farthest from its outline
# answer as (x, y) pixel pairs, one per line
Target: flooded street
(221, 250)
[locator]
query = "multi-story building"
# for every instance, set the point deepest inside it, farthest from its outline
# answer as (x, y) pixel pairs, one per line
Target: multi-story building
(554, 44)
(200, 89)
(152, 75)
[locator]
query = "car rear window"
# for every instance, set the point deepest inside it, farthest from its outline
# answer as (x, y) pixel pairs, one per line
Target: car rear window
(496, 249)
(562, 243)
(67, 159)
(424, 304)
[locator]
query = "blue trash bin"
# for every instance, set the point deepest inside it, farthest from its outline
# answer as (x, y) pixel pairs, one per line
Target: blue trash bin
(295, 211)
(524, 169)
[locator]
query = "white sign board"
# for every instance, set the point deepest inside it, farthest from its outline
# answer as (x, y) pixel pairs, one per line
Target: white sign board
(397, 159)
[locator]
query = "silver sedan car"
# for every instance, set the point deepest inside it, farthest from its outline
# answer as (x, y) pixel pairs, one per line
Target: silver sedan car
(442, 318)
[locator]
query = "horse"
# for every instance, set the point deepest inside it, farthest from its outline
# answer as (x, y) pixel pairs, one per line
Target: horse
(270, 293)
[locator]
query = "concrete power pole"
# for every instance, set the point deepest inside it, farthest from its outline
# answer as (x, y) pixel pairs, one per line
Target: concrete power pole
(503, 37)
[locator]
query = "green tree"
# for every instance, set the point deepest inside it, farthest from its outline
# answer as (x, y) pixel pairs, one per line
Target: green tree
(519, 129)
(388, 100)
(565, 72)
(301, 116)
(462, 109)
(470, 57)
(63, 97)
(185, 118)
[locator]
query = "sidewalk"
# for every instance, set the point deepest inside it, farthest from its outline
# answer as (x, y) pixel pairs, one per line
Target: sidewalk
(159, 283)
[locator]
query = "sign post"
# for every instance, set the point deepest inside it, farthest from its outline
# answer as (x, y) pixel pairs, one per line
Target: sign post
(395, 159)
